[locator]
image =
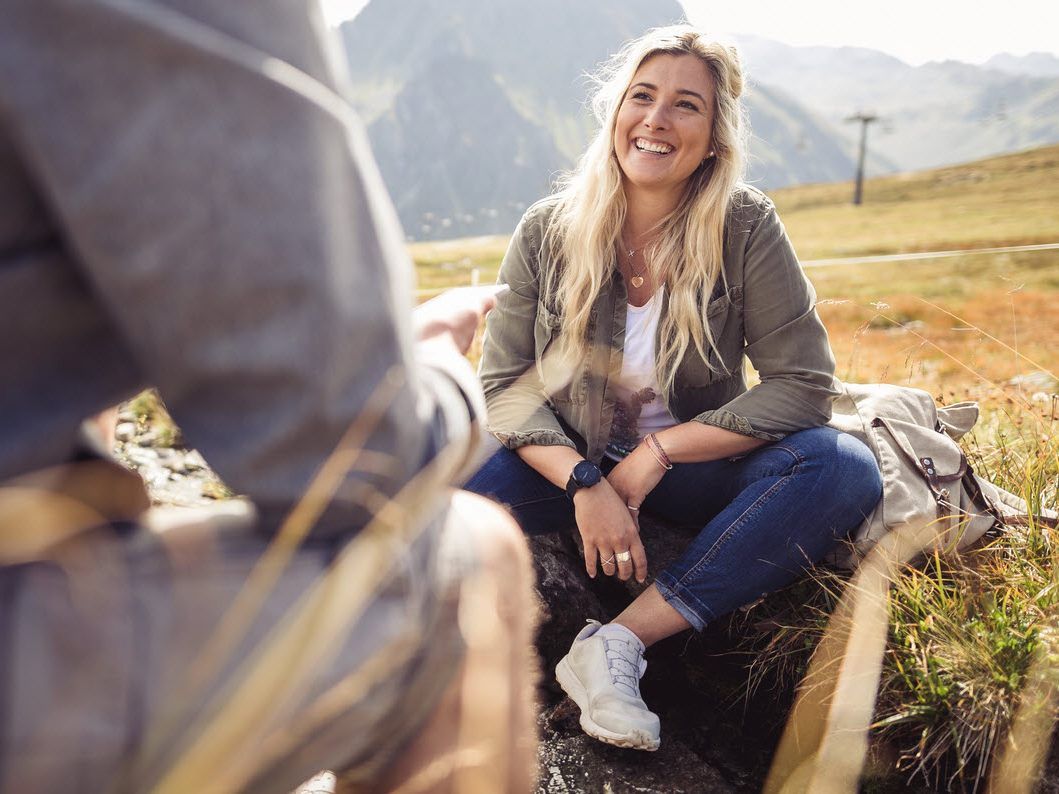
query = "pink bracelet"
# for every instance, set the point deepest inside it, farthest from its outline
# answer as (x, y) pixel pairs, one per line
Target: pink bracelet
(655, 446)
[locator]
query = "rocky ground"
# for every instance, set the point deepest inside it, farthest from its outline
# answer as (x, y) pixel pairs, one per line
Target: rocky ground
(173, 475)
(712, 740)
(704, 747)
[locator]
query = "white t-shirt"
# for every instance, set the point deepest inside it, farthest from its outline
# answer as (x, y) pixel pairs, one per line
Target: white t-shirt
(640, 409)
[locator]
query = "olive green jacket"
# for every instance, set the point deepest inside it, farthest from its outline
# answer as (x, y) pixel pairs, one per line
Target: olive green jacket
(767, 313)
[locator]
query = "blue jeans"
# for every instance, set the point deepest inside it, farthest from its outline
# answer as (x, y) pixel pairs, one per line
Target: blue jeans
(761, 519)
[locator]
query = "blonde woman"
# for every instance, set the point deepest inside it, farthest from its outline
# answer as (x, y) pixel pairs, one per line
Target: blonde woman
(613, 371)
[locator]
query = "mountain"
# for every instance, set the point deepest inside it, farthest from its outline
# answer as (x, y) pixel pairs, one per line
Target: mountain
(791, 146)
(457, 155)
(931, 115)
(1036, 64)
(538, 51)
(473, 108)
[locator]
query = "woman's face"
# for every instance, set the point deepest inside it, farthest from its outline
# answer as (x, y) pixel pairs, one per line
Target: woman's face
(664, 125)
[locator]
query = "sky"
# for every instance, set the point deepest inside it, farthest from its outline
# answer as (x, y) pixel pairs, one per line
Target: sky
(916, 31)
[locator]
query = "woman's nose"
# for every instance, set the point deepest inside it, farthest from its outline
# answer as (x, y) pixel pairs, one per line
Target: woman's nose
(656, 118)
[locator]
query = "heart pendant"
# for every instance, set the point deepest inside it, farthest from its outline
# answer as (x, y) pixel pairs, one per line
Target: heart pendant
(636, 281)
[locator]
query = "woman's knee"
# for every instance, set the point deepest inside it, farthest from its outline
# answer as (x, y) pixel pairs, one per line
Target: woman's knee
(497, 604)
(497, 475)
(844, 465)
(861, 478)
(500, 547)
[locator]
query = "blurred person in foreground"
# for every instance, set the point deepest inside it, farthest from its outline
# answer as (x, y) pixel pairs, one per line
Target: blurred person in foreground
(637, 292)
(188, 201)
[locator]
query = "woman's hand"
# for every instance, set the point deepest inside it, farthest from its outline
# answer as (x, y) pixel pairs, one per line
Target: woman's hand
(607, 529)
(635, 477)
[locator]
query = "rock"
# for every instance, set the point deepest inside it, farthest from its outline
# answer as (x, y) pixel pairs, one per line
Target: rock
(567, 597)
(1037, 381)
(158, 478)
(194, 461)
(173, 476)
(125, 431)
(323, 783)
(570, 597)
(571, 761)
(149, 438)
(711, 741)
(173, 459)
(145, 459)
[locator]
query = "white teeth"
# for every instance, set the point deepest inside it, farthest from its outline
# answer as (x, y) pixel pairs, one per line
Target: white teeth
(649, 146)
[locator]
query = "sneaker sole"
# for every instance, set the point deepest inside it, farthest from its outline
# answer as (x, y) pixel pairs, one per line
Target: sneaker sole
(575, 690)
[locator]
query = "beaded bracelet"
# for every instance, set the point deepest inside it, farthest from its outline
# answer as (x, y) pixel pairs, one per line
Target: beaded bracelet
(655, 446)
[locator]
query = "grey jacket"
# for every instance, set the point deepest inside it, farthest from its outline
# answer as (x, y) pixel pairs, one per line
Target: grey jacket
(187, 200)
(767, 314)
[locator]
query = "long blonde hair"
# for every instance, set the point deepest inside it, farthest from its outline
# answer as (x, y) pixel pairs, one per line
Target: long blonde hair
(586, 224)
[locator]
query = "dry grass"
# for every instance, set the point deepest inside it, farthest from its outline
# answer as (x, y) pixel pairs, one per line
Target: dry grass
(971, 637)
(1008, 200)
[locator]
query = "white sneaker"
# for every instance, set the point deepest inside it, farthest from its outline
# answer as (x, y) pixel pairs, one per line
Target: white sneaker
(602, 676)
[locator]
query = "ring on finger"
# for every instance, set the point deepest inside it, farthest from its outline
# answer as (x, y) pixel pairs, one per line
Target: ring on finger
(608, 561)
(633, 509)
(623, 556)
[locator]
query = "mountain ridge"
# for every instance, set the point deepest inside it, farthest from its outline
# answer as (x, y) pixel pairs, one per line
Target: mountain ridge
(440, 190)
(533, 103)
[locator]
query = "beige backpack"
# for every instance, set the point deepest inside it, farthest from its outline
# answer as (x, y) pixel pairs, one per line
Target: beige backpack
(929, 488)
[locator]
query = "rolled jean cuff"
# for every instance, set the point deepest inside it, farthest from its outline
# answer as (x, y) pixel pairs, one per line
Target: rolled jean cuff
(673, 593)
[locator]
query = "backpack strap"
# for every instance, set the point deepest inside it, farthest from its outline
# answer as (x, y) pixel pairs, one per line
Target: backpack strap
(1001, 518)
(925, 466)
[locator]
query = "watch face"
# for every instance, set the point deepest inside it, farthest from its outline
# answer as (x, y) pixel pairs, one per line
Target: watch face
(587, 474)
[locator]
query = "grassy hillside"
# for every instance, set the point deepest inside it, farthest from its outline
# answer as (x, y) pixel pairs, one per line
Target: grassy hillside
(1006, 200)
(972, 640)
(958, 326)
(888, 321)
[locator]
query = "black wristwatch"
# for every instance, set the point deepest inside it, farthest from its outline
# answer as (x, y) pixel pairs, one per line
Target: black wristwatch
(585, 475)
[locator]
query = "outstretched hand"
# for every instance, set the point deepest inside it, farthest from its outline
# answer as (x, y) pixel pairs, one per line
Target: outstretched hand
(456, 314)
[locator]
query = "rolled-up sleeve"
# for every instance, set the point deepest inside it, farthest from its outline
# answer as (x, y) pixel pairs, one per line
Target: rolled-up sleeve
(784, 340)
(518, 412)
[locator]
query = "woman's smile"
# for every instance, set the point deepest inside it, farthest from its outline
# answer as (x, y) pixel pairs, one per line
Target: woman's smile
(653, 147)
(664, 125)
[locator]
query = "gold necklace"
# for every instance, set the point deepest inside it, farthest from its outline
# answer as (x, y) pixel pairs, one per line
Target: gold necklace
(637, 278)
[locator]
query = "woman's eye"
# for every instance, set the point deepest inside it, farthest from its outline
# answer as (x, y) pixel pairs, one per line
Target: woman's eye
(642, 96)
(686, 105)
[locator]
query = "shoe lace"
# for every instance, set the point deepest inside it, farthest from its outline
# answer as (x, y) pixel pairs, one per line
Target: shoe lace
(625, 664)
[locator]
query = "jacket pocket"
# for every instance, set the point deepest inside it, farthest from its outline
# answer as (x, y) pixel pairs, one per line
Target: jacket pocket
(717, 307)
(555, 372)
(696, 373)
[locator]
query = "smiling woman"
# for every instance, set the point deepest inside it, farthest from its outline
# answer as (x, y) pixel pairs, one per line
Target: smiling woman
(664, 126)
(613, 371)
